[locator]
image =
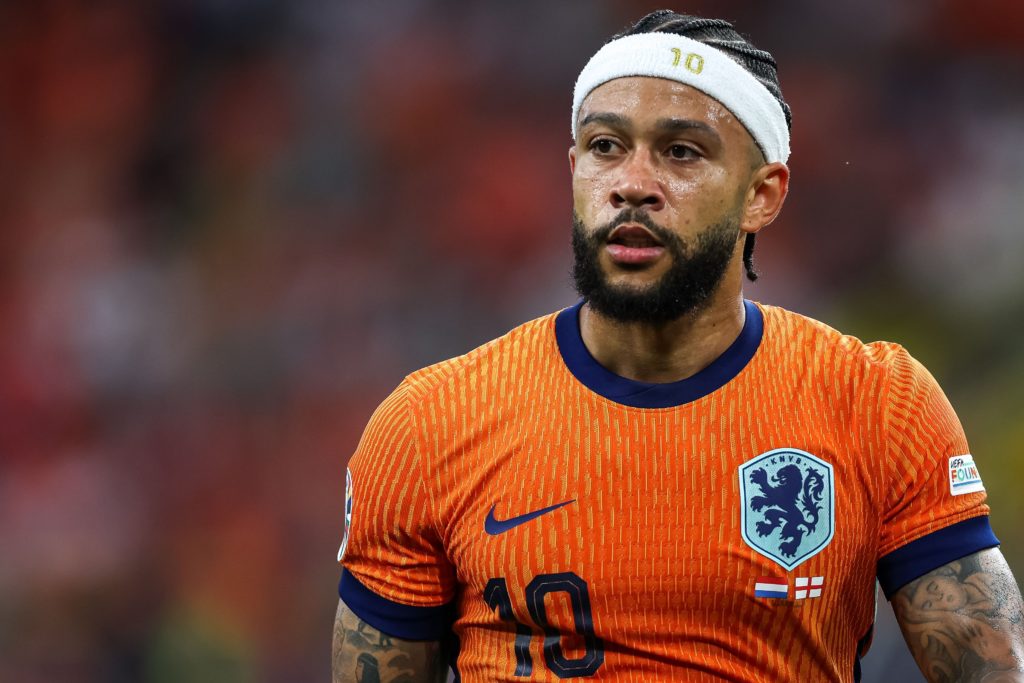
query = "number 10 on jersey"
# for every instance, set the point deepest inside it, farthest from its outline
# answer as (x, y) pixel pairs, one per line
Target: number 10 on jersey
(497, 597)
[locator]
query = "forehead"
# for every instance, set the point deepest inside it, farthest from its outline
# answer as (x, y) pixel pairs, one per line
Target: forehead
(648, 99)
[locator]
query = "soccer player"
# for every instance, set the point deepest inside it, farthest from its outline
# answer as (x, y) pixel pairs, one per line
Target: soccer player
(667, 481)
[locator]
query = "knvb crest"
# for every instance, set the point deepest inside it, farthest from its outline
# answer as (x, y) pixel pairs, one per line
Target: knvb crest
(788, 508)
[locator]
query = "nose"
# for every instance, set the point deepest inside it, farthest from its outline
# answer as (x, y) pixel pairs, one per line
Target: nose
(638, 186)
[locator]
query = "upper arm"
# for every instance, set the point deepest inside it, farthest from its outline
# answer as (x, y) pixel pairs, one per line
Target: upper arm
(924, 446)
(362, 654)
(392, 544)
(397, 585)
(965, 621)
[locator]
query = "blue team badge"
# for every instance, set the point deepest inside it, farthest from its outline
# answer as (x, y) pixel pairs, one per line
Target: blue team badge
(788, 507)
(348, 513)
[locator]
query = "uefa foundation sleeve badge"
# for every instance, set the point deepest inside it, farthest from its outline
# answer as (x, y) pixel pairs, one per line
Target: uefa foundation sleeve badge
(964, 476)
(348, 513)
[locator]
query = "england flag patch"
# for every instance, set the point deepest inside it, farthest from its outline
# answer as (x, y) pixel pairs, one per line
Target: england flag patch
(816, 584)
(964, 476)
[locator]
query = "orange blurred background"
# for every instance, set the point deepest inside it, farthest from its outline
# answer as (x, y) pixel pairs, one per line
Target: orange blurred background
(228, 229)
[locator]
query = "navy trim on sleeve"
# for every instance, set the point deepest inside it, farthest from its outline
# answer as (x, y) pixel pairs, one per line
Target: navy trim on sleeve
(395, 619)
(636, 394)
(919, 557)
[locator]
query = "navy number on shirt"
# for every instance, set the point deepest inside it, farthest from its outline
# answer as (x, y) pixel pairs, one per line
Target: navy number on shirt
(496, 596)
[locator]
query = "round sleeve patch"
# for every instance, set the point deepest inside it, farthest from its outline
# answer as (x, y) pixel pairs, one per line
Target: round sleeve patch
(348, 513)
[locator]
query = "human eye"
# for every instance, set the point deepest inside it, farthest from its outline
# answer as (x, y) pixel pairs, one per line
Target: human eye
(602, 145)
(683, 152)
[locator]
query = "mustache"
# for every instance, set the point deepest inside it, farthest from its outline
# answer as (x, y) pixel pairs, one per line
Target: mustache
(640, 217)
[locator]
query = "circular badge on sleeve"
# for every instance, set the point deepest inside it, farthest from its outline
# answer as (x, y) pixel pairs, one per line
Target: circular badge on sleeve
(348, 513)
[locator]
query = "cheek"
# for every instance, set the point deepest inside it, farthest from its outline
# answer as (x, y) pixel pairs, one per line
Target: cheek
(687, 189)
(588, 192)
(707, 194)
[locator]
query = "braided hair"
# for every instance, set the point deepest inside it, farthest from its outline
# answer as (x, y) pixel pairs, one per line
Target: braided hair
(721, 35)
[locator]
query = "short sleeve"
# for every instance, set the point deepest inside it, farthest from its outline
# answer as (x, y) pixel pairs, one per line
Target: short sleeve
(395, 574)
(935, 509)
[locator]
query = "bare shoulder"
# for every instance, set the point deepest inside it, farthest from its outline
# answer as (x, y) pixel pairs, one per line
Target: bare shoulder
(362, 654)
(965, 621)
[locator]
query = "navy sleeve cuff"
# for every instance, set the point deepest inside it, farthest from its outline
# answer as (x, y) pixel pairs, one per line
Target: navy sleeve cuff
(392, 618)
(919, 557)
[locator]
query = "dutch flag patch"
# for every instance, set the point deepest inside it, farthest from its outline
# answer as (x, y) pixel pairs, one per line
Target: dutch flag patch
(771, 587)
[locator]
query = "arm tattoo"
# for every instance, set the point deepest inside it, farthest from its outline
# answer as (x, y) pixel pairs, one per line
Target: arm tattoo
(964, 621)
(362, 654)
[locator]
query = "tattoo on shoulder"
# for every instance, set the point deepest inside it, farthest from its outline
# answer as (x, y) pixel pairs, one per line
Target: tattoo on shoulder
(362, 654)
(964, 621)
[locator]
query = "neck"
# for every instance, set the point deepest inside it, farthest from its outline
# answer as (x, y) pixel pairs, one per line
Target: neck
(668, 352)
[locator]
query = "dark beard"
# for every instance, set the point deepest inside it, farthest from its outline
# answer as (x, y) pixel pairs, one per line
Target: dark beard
(686, 288)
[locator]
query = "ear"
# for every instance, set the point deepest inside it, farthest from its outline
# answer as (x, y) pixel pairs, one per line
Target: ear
(765, 196)
(572, 159)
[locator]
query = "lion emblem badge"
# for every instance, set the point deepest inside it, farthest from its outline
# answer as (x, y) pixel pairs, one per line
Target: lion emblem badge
(788, 508)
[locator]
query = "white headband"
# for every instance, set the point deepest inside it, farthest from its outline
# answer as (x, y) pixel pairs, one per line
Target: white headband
(677, 58)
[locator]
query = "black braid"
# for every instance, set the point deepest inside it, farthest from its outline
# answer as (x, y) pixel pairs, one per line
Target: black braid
(720, 34)
(748, 256)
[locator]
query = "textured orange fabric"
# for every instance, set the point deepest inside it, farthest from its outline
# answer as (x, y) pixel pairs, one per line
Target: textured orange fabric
(663, 578)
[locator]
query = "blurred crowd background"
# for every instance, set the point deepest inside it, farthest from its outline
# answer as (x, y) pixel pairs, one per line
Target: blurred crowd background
(228, 228)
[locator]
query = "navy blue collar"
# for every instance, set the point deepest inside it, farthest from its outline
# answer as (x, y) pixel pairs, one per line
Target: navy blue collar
(648, 394)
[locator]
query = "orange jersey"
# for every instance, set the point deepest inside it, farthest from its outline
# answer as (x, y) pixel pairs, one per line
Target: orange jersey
(564, 522)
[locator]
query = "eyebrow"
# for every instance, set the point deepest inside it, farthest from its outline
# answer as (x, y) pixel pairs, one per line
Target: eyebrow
(669, 125)
(679, 125)
(609, 119)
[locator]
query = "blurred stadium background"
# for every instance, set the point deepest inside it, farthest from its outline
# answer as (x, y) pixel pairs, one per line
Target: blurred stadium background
(229, 228)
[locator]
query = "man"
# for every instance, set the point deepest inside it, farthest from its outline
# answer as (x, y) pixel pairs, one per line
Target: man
(668, 482)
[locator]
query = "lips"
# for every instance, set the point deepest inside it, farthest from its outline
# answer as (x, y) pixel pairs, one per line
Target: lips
(634, 236)
(633, 245)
